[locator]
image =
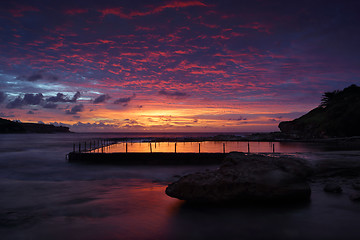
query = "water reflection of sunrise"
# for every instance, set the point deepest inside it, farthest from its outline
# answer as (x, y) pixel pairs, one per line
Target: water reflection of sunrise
(207, 147)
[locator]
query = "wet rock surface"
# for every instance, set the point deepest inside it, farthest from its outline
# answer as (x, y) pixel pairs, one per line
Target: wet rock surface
(355, 197)
(356, 185)
(332, 188)
(345, 167)
(247, 177)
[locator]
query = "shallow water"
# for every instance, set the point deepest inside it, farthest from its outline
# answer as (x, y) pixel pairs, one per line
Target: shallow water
(45, 197)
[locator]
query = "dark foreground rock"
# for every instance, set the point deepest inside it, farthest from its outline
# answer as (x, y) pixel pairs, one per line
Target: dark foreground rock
(246, 178)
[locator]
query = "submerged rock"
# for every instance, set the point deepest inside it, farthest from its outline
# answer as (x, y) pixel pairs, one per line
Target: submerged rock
(332, 188)
(355, 197)
(356, 185)
(246, 178)
(346, 167)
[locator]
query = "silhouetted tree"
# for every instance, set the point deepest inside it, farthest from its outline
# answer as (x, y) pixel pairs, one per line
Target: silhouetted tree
(328, 97)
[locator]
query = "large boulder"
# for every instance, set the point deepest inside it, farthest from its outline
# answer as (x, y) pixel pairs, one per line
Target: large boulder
(246, 177)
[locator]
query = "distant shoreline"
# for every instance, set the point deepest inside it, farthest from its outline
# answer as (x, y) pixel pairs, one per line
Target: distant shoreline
(10, 127)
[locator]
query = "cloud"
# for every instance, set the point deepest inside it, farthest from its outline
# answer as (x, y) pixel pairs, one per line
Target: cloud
(173, 94)
(17, 103)
(2, 114)
(21, 9)
(131, 121)
(238, 119)
(50, 105)
(28, 99)
(75, 11)
(170, 4)
(92, 127)
(38, 76)
(76, 96)
(227, 55)
(124, 101)
(33, 99)
(60, 97)
(2, 97)
(101, 98)
(35, 77)
(75, 109)
(30, 112)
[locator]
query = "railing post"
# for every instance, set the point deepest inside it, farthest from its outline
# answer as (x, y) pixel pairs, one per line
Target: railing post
(273, 148)
(150, 147)
(126, 150)
(248, 147)
(223, 147)
(79, 147)
(199, 147)
(175, 147)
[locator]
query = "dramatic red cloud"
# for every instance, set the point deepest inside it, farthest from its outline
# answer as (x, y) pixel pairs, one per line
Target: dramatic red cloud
(257, 26)
(76, 11)
(174, 4)
(19, 11)
(173, 65)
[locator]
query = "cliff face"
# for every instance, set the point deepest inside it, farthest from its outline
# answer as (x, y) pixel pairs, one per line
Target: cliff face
(7, 126)
(337, 116)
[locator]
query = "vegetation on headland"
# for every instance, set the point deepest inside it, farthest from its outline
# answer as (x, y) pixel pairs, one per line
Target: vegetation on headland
(338, 115)
(7, 126)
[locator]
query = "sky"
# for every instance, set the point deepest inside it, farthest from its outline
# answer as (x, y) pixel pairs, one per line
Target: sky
(173, 65)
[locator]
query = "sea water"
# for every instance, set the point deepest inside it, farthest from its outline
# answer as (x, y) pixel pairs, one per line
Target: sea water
(42, 196)
(208, 147)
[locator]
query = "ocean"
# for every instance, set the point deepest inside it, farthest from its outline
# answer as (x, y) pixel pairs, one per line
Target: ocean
(45, 197)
